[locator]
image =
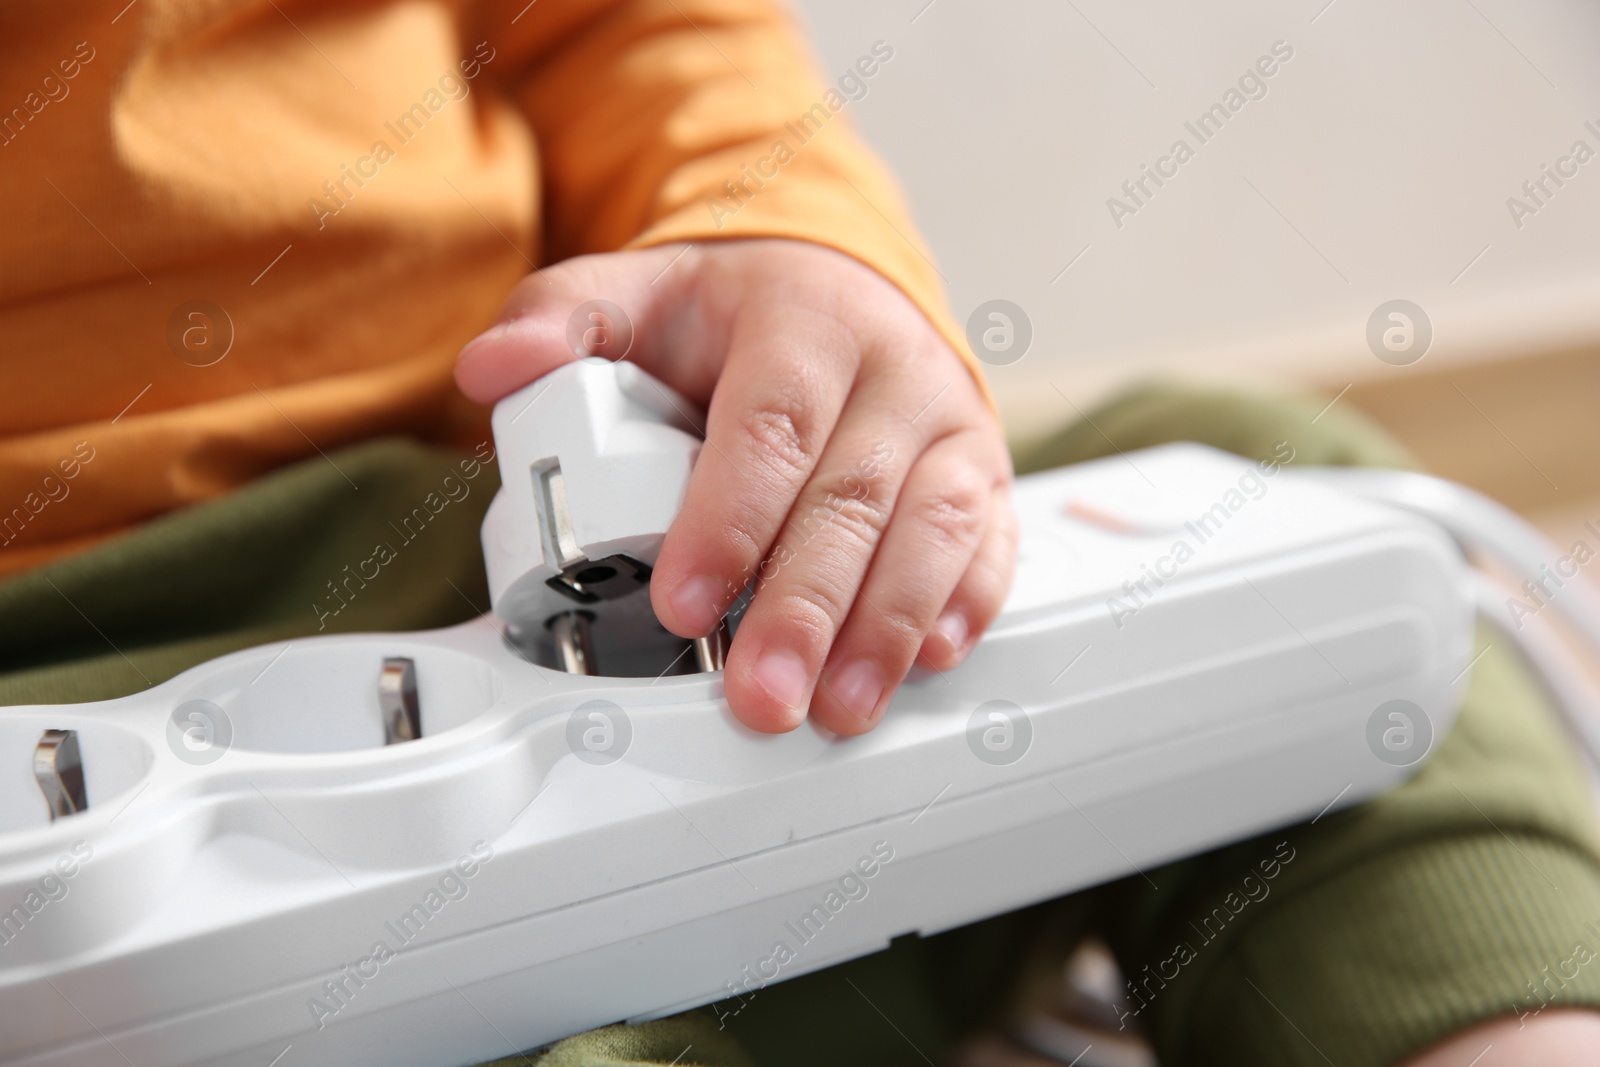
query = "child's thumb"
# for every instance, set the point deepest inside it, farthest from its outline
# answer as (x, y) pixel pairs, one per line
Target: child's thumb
(611, 306)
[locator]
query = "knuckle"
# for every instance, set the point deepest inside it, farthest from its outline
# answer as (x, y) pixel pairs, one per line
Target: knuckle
(814, 609)
(1002, 539)
(954, 512)
(988, 588)
(862, 518)
(774, 435)
(905, 623)
(1013, 541)
(559, 283)
(742, 551)
(990, 579)
(1009, 531)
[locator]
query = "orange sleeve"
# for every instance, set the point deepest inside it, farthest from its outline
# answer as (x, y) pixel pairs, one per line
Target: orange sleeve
(695, 120)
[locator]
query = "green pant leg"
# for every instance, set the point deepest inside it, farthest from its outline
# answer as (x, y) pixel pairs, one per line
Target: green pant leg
(1470, 892)
(1246, 423)
(378, 536)
(692, 1039)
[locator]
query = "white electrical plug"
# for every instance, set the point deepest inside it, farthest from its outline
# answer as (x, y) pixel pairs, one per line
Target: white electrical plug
(594, 463)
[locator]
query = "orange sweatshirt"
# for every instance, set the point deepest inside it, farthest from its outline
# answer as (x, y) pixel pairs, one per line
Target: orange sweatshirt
(245, 231)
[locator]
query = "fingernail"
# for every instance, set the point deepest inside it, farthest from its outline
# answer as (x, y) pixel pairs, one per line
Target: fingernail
(695, 603)
(859, 687)
(953, 626)
(783, 675)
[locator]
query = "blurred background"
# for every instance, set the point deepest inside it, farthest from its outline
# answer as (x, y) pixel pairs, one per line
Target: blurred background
(1374, 164)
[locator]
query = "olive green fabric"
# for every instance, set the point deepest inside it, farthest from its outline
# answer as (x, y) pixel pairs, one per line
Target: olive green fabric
(1392, 924)
(284, 557)
(1250, 424)
(1464, 894)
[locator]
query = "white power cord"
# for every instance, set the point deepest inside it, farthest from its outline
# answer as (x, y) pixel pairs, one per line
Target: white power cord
(1494, 533)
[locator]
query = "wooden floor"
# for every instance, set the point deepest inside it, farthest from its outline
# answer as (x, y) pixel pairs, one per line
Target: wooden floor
(1525, 430)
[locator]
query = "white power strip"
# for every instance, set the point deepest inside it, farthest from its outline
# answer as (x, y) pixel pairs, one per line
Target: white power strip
(1196, 650)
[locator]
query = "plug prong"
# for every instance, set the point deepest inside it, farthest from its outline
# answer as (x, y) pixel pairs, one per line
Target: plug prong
(574, 645)
(397, 700)
(58, 768)
(712, 649)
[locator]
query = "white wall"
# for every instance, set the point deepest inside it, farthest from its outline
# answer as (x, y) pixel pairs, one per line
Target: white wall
(1390, 141)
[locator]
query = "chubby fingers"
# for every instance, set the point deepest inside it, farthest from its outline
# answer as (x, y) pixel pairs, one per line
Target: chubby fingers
(859, 533)
(925, 587)
(776, 406)
(981, 592)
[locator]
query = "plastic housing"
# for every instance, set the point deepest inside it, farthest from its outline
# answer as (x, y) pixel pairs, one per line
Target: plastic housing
(634, 851)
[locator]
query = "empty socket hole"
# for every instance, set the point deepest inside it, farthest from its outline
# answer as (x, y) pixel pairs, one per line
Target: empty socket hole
(114, 761)
(323, 696)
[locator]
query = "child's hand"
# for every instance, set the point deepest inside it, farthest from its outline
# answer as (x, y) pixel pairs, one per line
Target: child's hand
(851, 467)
